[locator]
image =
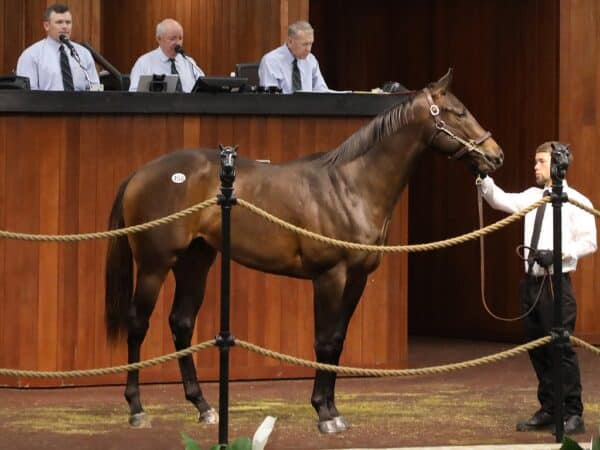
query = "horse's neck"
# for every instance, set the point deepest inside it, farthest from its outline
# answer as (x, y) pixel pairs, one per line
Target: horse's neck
(385, 169)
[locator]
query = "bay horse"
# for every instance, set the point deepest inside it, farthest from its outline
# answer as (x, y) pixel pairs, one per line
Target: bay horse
(348, 193)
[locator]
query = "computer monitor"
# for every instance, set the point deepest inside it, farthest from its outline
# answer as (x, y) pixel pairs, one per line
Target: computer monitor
(248, 70)
(219, 84)
(12, 81)
(157, 83)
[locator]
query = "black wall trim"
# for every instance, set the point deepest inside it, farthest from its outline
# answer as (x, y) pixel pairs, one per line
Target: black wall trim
(41, 102)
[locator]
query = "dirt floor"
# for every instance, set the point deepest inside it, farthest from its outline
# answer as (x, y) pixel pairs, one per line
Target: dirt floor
(473, 406)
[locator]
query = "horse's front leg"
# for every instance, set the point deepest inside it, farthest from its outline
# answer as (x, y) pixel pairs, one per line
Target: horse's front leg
(336, 295)
(146, 291)
(190, 272)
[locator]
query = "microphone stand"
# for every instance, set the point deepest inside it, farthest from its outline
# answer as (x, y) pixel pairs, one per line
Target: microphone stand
(191, 63)
(76, 57)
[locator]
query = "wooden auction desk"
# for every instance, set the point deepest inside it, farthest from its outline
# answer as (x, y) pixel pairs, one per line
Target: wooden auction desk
(62, 158)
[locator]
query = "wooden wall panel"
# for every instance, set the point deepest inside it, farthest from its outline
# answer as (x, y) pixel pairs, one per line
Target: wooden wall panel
(60, 174)
(505, 60)
(86, 21)
(290, 12)
(579, 125)
(217, 34)
(12, 23)
(511, 90)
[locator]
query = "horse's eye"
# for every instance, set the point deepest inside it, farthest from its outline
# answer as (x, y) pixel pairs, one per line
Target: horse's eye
(462, 114)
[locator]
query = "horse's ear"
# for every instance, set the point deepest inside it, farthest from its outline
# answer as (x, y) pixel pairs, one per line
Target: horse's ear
(221, 148)
(441, 85)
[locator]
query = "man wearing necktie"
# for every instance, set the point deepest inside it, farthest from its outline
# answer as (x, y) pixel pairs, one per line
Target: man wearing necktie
(578, 240)
(292, 67)
(49, 64)
(166, 59)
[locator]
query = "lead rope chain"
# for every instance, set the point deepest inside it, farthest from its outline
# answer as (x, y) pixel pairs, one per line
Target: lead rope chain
(482, 268)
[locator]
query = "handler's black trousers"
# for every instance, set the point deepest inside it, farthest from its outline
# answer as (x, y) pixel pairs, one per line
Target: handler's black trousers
(538, 324)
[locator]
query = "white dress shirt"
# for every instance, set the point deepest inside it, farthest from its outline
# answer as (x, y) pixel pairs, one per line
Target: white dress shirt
(276, 70)
(41, 64)
(157, 63)
(578, 226)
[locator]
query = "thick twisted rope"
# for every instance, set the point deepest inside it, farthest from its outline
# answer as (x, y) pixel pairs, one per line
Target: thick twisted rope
(290, 227)
(108, 370)
(586, 345)
(298, 361)
(395, 372)
(585, 208)
(112, 233)
(393, 248)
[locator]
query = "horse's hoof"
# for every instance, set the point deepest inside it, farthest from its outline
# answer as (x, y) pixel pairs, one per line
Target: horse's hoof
(209, 417)
(341, 423)
(328, 427)
(140, 420)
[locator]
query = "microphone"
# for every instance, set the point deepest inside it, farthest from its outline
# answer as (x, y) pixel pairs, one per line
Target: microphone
(194, 67)
(65, 40)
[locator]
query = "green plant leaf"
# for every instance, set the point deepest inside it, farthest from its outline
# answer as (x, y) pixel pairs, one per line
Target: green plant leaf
(596, 444)
(241, 443)
(570, 444)
(190, 444)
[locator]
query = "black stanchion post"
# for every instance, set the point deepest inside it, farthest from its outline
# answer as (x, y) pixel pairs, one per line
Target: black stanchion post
(560, 336)
(225, 340)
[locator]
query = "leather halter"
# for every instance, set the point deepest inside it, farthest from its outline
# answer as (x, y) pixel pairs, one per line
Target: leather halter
(468, 146)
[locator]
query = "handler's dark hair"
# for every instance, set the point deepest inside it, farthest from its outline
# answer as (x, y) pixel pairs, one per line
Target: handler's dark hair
(546, 147)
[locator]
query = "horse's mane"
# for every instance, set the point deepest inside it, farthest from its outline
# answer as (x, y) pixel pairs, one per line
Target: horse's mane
(385, 124)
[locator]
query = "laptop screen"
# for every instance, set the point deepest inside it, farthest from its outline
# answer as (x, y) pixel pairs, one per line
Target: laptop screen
(157, 83)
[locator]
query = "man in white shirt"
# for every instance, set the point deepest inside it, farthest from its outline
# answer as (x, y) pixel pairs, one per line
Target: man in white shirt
(167, 59)
(292, 67)
(50, 65)
(578, 240)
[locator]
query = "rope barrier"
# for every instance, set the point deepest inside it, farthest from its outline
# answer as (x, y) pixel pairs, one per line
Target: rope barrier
(297, 361)
(395, 372)
(290, 227)
(271, 218)
(393, 248)
(108, 370)
(111, 233)
(592, 211)
(586, 345)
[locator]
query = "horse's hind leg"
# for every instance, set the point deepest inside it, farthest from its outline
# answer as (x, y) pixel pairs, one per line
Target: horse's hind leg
(147, 287)
(190, 272)
(336, 297)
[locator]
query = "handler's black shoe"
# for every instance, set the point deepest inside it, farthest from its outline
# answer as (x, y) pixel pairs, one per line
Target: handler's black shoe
(539, 421)
(573, 425)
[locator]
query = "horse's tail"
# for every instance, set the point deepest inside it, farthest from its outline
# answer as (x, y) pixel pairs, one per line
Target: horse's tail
(119, 273)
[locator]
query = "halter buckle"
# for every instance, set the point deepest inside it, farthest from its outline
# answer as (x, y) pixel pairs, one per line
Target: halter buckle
(434, 110)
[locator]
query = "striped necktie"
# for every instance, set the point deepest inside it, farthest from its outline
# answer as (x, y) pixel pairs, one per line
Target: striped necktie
(174, 72)
(296, 78)
(65, 70)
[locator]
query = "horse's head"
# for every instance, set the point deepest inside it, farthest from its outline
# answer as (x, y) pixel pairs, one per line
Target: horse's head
(455, 132)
